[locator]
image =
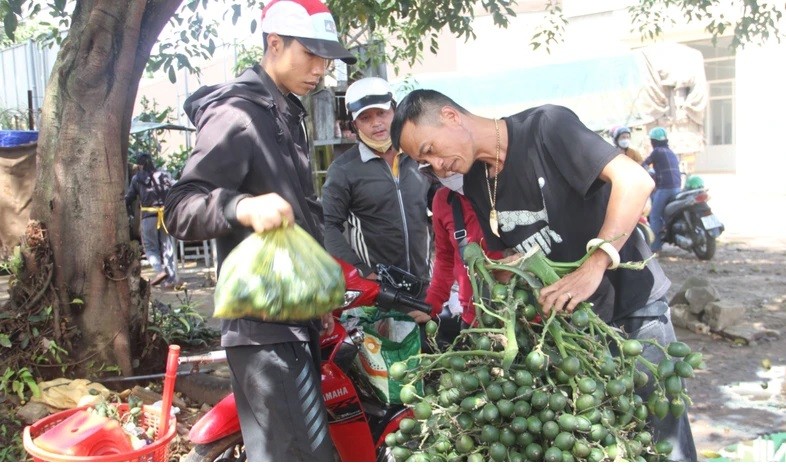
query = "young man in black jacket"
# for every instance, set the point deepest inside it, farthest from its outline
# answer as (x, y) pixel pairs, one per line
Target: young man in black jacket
(249, 172)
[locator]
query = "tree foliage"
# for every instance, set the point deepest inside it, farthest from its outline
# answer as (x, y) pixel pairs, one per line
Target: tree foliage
(408, 26)
(747, 21)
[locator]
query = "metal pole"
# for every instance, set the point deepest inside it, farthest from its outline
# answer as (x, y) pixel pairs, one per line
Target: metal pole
(30, 113)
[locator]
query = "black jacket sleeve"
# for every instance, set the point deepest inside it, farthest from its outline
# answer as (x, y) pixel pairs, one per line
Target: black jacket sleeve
(131, 195)
(335, 204)
(201, 205)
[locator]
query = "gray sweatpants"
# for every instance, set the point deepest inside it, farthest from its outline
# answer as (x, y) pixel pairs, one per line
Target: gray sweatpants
(159, 247)
(279, 400)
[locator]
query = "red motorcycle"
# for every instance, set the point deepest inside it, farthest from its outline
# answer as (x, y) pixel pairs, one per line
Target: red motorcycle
(358, 425)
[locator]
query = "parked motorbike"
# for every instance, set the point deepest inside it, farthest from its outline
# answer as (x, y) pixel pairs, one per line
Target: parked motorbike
(689, 222)
(358, 424)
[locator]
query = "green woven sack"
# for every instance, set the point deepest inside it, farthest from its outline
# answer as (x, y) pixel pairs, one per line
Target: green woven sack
(390, 337)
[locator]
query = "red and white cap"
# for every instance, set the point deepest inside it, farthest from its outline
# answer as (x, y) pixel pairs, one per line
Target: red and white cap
(310, 22)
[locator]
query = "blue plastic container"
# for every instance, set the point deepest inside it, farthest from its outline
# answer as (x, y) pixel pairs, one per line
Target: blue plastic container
(11, 138)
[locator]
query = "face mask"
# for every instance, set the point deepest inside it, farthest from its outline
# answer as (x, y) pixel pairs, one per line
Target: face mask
(623, 143)
(454, 182)
(378, 146)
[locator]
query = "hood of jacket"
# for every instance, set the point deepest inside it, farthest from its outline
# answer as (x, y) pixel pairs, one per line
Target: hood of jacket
(252, 85)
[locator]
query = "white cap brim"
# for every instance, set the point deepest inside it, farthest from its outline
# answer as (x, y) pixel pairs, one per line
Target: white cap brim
(383, 106)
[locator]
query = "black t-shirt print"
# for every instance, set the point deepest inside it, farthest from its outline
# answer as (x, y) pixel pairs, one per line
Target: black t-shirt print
(549, 195)
(547, 190)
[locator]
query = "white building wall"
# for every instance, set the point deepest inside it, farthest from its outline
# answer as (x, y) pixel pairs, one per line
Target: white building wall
(602, 27)
(761, 115)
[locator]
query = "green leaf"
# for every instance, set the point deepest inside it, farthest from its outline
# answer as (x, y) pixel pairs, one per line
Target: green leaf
(37, 318)
(172, 74)
(16, 6)
(4, 341)
(9, 24)
(185, 323)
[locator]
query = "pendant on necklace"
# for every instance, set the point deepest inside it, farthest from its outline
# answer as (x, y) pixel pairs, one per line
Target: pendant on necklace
(493, 222)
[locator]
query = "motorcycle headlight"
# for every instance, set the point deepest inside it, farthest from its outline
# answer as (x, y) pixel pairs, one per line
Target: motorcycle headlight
(349, 298)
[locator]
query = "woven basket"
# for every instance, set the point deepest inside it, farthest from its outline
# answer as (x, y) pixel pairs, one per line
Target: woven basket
(158, 451)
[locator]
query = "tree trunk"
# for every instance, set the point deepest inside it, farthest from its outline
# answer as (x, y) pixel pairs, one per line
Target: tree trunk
(81, 174)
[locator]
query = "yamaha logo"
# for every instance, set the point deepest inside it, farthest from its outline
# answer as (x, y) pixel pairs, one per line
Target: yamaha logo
(332, 395)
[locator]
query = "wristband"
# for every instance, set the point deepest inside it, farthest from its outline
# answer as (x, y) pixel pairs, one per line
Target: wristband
(608, 248)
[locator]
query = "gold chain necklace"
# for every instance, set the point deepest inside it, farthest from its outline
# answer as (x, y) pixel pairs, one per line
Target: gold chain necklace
(493, 220)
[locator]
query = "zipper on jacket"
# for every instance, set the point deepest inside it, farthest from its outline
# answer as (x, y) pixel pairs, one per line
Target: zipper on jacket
(395, 175)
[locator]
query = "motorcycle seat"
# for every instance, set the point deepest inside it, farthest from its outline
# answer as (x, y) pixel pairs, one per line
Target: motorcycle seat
(686, 193)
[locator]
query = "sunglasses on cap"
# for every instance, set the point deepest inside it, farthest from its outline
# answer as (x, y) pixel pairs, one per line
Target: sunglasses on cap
(369, 101)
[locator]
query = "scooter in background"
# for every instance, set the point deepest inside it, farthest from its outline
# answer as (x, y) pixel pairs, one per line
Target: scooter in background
(689, 222)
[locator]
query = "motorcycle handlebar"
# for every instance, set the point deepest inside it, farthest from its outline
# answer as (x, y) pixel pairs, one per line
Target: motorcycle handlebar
(416, 304)
(391, 298)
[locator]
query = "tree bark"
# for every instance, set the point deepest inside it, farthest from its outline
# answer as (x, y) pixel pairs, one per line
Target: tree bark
(81, 174)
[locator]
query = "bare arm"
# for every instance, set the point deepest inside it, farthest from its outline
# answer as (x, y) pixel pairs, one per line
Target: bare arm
(630, 189)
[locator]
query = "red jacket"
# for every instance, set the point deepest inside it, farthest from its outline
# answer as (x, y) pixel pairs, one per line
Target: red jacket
(448, 265)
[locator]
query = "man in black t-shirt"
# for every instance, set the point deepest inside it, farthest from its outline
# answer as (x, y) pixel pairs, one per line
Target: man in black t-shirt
(542, 178)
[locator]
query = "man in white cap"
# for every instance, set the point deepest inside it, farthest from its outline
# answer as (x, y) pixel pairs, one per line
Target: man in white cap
(249, 172)
(380, 194)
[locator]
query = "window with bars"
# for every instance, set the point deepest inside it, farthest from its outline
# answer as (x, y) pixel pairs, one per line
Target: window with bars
(719, 66)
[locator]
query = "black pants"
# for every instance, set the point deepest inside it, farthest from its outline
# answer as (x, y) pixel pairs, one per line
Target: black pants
(279, 401)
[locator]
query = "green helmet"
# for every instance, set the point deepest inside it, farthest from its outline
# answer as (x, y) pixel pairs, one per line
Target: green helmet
(694, 182)
(658, 134)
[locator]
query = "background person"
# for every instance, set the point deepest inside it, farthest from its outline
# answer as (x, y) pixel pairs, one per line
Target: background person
(151, 185)
(455, 225)
(378, 193)
(667, 181)
(621, 137)
(250, 172)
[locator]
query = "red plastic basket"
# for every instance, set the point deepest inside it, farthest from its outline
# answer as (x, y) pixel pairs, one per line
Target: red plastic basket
(157, 451)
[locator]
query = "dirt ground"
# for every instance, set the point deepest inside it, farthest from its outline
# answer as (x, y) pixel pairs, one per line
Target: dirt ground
(737, 397)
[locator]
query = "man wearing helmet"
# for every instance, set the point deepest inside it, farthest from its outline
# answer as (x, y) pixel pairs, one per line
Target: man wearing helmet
(621, 137)
(667, 181)
(250, 172)
(379, 193)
